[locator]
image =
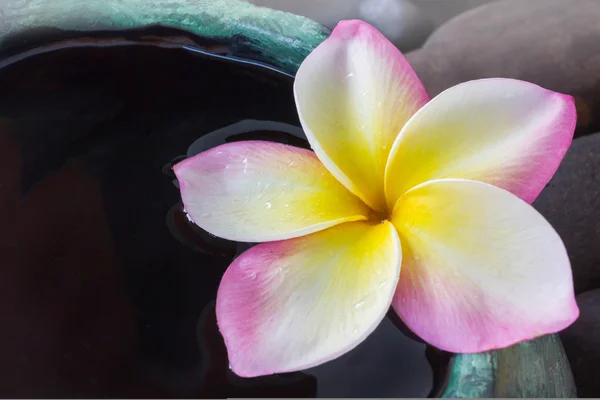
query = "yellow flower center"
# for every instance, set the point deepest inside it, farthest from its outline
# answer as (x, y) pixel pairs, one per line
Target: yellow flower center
(379, 216)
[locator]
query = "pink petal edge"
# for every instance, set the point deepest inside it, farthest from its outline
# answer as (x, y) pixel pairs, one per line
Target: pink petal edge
(556, 136)
(520, 155)
(502, 278)
(278, 312)
(361, 30)
(256, 191)
(356, 78)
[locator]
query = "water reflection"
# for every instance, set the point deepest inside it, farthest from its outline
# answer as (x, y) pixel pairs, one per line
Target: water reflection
(107, 290)
(386, 364)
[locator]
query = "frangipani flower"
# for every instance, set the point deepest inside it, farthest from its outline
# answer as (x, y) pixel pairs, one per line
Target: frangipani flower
(415, 203)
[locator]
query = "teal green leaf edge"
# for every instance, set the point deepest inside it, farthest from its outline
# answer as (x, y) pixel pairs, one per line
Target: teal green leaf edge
(533, 368)
(279, 38)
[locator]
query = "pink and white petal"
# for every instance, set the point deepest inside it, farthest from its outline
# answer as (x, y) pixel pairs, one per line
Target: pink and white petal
(354, 93)
(261, 191)
(291, 305)
(510, 133)
(481, 269)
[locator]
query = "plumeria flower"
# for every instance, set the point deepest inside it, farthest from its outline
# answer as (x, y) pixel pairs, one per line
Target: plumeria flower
(420, 204)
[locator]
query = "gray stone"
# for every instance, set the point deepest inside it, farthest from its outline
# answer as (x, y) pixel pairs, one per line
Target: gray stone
(325, 12)
(401, 21)
(582, 344)
(553, 43)
(441, 11)
(571, 203)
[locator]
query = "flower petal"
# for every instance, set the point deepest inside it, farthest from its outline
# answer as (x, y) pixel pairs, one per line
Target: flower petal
(260, 191)
(509, 133)
(354, 94)
(290, 305)
(481, 268)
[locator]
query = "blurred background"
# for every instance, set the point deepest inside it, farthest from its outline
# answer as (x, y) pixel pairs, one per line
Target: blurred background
(553, 43)
(407, 23)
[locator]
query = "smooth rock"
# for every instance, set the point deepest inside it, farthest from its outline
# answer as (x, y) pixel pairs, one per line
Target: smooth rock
(582, 344)
(325, 12)
(401, 21)
(571, 203)
(553, 43)
(441, 11)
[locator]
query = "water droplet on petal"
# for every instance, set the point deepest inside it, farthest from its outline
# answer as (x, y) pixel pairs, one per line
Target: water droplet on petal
(268, 205)
(360, 304)
(189, 218)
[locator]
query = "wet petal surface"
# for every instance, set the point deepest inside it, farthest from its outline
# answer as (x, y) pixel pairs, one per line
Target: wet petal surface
(294, 304)
(354, 93)
(261, 191)
(510, 133)
(481, 268)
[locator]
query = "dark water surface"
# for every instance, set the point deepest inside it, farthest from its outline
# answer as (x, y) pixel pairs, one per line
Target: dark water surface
(107, 290)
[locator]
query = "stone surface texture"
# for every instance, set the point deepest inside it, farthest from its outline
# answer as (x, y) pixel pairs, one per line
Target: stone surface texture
(582, 343)
(536, 368)
(571, 203)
